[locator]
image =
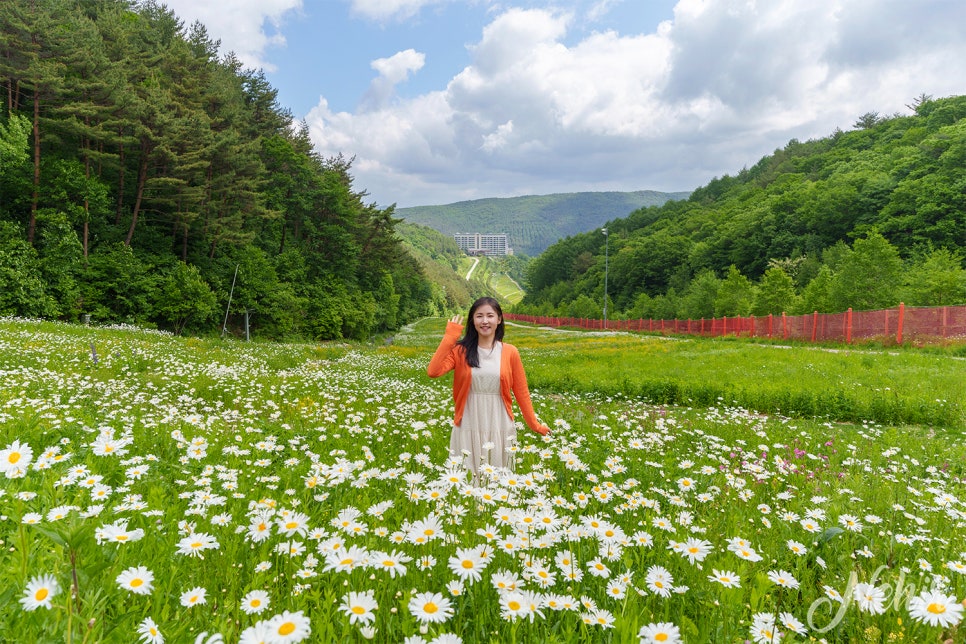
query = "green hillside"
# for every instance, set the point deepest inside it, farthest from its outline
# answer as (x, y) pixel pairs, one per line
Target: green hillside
(443, 263)
(863, 219)
(535, 222)
(447, 266)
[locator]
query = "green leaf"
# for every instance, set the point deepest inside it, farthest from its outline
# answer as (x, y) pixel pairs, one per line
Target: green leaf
(53, 536)
(829, 534)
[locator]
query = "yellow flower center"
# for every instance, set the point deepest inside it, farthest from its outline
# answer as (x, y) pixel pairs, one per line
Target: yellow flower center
(430, 608)
(936, 609)
(661, 637)
(358, 610)
(467, 564)
(41, 594)
(513, 605)
(14, 457)
(291, 525)
(255, 603)
(286, 629)
(136, 582)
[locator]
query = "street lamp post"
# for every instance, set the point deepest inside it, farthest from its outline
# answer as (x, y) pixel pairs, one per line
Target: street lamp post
(606, 244)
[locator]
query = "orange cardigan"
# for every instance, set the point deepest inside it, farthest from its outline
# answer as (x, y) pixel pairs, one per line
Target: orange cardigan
(449, 357)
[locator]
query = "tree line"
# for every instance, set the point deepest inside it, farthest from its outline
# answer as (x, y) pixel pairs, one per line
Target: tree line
(862, 219)
(147, 179)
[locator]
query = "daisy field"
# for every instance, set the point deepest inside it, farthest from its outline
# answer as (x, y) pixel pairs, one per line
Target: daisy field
(158, 488)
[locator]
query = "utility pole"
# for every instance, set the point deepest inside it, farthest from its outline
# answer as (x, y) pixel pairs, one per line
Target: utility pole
(606, 244)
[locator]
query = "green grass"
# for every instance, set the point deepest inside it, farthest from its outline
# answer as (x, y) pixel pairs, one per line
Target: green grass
(507, 290)
(843, 384)
(212, 437)
(497, 283)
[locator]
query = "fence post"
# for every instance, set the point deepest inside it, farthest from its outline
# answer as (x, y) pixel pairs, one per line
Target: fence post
(848, 326)
(902, 312)
(945, 321)
(784, 326)
(814, 324)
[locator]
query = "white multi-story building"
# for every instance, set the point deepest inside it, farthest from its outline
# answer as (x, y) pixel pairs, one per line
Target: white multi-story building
(480, 244)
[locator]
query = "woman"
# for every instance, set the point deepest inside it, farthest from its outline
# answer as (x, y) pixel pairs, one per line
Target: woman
(485, 373)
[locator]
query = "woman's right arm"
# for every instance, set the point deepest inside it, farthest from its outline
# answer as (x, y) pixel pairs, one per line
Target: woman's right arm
(443, 360)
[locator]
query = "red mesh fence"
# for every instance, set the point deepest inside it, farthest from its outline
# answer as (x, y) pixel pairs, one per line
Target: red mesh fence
(901, 324)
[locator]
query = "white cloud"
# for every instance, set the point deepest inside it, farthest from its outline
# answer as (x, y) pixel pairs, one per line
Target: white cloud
(706, 94)
(384, 10)
(392, 71)
(246, 27)
(545, 104)
(397, 67)
(600, 8)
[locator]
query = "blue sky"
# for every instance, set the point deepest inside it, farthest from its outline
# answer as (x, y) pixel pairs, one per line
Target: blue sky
(448, 100)
(328, 31)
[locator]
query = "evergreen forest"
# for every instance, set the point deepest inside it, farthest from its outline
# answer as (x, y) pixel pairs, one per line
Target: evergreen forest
(862, 219)
(147, 179)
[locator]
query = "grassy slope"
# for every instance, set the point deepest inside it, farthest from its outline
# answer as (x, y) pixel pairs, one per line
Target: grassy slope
(446, 265)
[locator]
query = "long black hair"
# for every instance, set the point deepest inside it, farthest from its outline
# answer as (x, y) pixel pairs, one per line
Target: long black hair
(471, 339)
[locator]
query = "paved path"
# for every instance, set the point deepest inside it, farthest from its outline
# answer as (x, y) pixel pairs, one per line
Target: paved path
(476, 262)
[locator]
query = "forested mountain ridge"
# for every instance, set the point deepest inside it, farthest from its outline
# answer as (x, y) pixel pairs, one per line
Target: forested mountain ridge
(146, 179)
(534, 222)
(863, 219)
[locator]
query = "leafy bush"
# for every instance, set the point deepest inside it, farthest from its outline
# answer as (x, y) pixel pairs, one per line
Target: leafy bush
(185, 299)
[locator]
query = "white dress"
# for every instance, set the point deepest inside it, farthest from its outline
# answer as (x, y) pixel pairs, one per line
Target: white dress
(485, 420)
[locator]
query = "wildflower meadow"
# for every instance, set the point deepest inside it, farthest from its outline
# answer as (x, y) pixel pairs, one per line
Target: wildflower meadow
(167, 489)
